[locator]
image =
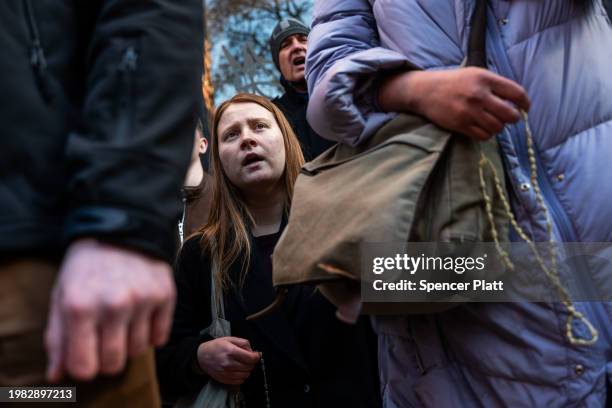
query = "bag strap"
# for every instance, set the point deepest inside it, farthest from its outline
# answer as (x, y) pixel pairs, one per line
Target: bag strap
(477, 50)
(217, 306)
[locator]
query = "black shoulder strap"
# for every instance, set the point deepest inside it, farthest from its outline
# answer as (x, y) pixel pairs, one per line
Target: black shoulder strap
(477, 55)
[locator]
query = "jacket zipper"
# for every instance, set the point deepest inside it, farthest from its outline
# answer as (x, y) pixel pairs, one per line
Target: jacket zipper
(38, 61)
(181, 224)
(557, 213)
(126, 69)
(518, 138)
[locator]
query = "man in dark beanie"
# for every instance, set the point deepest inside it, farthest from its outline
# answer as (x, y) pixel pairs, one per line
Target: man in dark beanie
(288, 44)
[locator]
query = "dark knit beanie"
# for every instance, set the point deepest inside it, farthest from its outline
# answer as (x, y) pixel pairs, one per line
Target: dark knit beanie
(285, 28)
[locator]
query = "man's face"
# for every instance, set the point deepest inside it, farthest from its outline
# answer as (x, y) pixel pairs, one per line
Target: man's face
(292, 57)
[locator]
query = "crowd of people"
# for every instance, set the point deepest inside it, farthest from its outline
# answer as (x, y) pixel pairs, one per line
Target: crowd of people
(109, 284)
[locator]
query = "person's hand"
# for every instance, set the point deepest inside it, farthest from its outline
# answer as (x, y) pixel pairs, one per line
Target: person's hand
(108, 303)
(228, 360)
(471, 101)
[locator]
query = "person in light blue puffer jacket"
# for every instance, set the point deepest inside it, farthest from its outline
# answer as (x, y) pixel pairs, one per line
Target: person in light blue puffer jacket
(551, 57)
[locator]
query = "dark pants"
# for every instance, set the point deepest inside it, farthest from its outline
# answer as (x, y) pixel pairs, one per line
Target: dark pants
(25, 289)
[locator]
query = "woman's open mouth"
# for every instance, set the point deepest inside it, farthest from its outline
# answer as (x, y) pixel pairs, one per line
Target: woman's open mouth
(251, 158)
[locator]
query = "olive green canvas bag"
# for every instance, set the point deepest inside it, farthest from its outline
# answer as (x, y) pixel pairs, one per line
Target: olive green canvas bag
(411, 182)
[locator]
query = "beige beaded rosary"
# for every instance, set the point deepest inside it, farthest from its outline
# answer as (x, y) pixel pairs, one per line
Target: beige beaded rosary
(551, 272)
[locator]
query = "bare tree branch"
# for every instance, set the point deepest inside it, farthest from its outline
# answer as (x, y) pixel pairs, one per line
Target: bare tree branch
(238, 31)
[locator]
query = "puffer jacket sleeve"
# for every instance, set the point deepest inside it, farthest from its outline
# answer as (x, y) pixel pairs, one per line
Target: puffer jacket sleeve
(344, 63)
(127, 159)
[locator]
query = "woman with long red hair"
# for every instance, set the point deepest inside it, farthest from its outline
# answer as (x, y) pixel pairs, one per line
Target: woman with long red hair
(300, 355)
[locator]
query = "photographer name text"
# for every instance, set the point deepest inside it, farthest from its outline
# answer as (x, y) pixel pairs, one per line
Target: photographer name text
(426, 286)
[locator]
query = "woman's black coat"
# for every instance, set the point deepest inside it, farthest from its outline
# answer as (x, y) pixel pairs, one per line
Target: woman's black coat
(312, 359)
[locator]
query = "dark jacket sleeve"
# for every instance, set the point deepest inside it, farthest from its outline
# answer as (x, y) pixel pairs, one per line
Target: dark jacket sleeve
(127, 160)
(175, 361)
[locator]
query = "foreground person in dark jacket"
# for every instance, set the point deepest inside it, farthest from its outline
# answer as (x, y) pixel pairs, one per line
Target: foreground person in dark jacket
(298, 356)
(288, 44)
(98, 110)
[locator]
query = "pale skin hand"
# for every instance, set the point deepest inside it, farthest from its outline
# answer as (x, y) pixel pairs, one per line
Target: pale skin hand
(108, 304)
(228, 360)
(471, 101)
